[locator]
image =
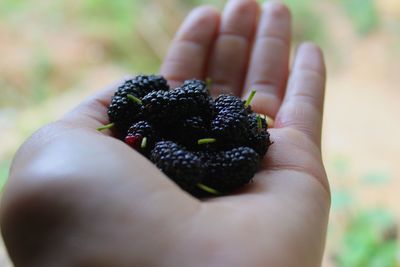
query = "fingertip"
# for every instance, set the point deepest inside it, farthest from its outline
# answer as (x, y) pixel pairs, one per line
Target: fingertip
(189, 52)
(302, 108)
(244, 10)
(277, 9)
(310, 56)
(203, 19)
(206, 11)
(310, 46)
(241, 6)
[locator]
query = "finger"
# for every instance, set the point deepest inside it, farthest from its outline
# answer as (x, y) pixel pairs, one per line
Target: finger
(302, 106)
(188, 55)
(269, 63)
(230, 54)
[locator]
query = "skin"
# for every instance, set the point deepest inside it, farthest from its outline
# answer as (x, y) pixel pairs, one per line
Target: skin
(79, 197)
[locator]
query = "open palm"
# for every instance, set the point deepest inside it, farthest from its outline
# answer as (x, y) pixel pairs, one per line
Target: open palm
(77, 197)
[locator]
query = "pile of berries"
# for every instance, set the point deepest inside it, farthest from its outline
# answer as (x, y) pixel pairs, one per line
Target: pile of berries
(205, 145)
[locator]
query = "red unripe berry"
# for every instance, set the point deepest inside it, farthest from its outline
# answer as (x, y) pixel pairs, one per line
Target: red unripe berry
(134, 141)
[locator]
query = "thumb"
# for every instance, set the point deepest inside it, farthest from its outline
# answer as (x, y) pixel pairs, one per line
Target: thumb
(92, 112)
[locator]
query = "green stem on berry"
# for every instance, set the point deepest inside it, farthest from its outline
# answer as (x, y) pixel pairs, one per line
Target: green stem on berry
(144, 143)
(208, 189)
(105, 127)
(134, 99)
(206, 141)
(259, 123)
(208, 82)
(250, 98)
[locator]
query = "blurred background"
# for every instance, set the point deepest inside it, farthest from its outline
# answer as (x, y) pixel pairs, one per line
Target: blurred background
(56, 52)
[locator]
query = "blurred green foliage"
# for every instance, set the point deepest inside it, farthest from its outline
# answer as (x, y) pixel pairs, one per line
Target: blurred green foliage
(112, 24)
(216, 3)
(376, 178)
(40, 75)
(370, 240)
(341, 166)
(370, 236)
(341, 199)
(4, 167)
(117, 28)
(363, 14)
(308, 25)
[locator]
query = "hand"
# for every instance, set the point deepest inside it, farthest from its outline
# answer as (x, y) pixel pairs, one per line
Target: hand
(78, 197)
